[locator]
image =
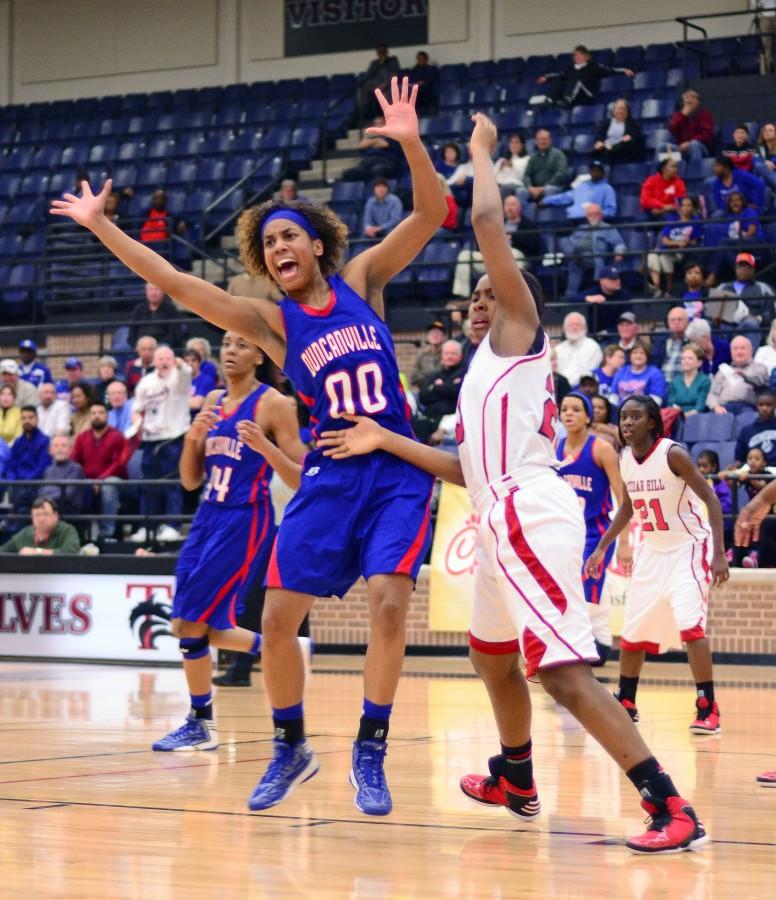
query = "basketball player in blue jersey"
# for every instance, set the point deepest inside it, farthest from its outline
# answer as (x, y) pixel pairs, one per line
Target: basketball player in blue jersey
(231, 537)
(589, 465)
(371, 518)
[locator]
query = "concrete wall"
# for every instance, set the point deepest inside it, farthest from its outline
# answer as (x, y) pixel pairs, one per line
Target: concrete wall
(54, 49)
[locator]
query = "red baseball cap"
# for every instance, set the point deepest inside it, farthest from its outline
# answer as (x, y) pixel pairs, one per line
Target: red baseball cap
(746, 258)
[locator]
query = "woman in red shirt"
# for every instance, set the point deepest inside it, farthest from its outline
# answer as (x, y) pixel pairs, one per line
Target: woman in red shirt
(661, 192)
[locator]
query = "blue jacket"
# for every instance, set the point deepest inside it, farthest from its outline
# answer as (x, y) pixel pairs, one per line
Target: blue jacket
(752, 187)
(29, 457)
(36, 373)
(627, 383)
(600, 192)
(5, 452)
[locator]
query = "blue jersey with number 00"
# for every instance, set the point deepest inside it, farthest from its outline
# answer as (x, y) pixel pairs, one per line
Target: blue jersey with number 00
(341, 360)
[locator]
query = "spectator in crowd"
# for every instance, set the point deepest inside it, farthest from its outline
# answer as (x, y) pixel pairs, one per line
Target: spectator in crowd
(25, 394)
(382, 212)
(605, 301)
(119, 407)
(580, 83)
(426, 77)
(560, 382)
(740, 151)
(682, 232)
(584, 191)
(439, 394)
(47, 535)
(159, 221)
(591, 247)
(53, 414)
(628, 330)
(741, 231)
(765, 160)
(588, 385)
(756, 295)
(708, 466)
(451, 159)
(10, 415)
(74, 374)
(510, 168)
(761, 433)
(613, 361)
(602, 425)
(517, 232)
(208, 366)
(728, 179)
(162, 405)
(381, 157)
(377, 75)
(756, 464)
(69, 498)
(767, 353)
(546, 172)
(81, 398)
(577, 354)
(691, 127)
(28, 460)
(693, 291)
(288, 192)
(462, 180)
(619, 138)
(451, 219)
(201, 382)
(135, 369)
(689, 388)
(734, 387)
(31, 368)
(661, 191)
(151, 318)
(639, 377)
(112, 204)
(428, 360)
(668, 348)
(107, 369)
(5, 452)
(716, 351)
(101, 451)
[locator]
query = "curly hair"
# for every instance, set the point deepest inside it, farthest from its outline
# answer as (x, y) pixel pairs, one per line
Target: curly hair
(333, 232)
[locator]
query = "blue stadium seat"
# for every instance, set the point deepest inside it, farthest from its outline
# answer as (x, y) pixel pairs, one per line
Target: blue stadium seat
(152, 174)
(197, 201)
(18, 160)
(45, 157)
(160, 148)
(210, 171)
(182, 172)
(486, 95)
(247, 142)
(629, 209)
(588, 115)
(743, 419)
(238, 167)
(33, 185)
(452, 72)
(583, 143)
(59, 183)
(629, 173)
(131, 151)
(455, 98)
(102, 153)
(218, 144)
(628, 57)
(435, 275)
(660, 53)
(507, 69)
(9, 186)
(709, 427)
(648, 81)
(314, 86)
(724, 449)
(228, 115)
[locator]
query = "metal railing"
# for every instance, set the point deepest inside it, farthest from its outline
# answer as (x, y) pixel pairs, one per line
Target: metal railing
(691, 23)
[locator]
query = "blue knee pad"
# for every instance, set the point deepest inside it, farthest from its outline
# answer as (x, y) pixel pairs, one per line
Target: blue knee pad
(194, 647)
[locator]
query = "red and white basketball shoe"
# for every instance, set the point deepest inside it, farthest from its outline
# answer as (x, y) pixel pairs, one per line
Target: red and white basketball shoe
(707, 719)
(673, 828)
(767, 779)
(495, 790)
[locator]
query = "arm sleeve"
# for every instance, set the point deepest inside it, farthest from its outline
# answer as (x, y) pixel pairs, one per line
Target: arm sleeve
(712, 399)
(369, 213)
(565, 198)
(395, 211)
(116, 454)
(722, 490)
(559, 169)
(647, 198)
(11, 546)
(704, 127)
(609, 204)
(676, 123)
(704, 384)
(70, 543)
(527, 175)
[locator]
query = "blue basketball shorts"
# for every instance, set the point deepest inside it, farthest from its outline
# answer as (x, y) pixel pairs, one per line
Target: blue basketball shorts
(594, 586)
(367, 515)
(225, 554)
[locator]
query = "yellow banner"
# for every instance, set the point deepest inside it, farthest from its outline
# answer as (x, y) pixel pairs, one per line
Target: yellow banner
(453, 561)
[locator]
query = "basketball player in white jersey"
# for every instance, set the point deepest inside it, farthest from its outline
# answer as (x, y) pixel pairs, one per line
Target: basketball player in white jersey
(679, 556)
(528, 593)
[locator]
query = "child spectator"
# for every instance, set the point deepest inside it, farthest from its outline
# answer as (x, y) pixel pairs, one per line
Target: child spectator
(760, 433)
(756, 464)
(740, 150)
(708, 466)
(694, 291)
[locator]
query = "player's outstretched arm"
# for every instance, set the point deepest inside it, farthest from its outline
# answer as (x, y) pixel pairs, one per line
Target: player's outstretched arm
(259, 321)
(620, 522)
(514, 327)
(366, 436)
(680, 463)
(370, 271)
(192, 461)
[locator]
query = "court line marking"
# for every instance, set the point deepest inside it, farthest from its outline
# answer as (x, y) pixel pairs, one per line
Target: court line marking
(304, 821)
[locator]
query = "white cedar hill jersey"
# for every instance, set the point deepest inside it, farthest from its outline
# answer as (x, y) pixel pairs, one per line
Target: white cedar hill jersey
(668, 511)
(506, 417)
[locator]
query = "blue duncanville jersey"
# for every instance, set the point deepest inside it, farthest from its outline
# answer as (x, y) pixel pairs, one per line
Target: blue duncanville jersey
(590, 484)
(341, 360)
(236, 475)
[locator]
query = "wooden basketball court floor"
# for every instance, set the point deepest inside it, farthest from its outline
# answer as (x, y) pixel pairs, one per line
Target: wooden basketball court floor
(87, 810)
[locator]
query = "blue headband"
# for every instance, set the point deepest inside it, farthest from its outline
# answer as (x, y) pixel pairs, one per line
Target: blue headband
(293, 216)
(585, 402)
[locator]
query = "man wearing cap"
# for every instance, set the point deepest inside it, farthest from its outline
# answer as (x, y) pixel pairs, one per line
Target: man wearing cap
(584, 191)
(591, 246)
(31, 368)
(606, 302)
(74, 374)
(23, 391)
(428, 360)
(627, 333)
(53, 414)
(757, 295)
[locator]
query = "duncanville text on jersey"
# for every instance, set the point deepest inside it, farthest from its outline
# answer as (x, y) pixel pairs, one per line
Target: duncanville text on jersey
(579, 482)
(224, 446)
(650, 484)
(337, 343)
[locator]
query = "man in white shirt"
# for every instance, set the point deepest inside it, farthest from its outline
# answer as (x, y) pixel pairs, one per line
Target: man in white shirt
(161, 412)
(578, 354)
(53, 414)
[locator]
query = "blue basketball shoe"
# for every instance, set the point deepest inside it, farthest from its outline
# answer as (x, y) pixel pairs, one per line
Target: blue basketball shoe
(291, 765)
(368, 778)
(194, 734)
